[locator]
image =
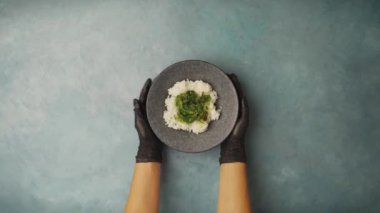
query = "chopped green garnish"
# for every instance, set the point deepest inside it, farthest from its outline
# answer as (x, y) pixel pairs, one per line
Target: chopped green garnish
(192, 107)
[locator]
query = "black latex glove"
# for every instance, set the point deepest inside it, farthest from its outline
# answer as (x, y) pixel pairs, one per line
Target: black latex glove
(150, 146)
(233, 148)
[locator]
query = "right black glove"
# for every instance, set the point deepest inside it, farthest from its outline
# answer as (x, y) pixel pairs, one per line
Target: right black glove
(233, 148)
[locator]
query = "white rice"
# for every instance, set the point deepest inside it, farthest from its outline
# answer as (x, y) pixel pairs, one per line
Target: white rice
(171, 110)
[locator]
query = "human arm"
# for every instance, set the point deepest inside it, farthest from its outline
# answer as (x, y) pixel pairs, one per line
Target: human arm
(233, 185)
(233, 188)
(145, 188)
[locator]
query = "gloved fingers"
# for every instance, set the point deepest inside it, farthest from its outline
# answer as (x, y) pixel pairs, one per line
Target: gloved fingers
(237, 85)
(136, 104)
(243, 121)
(144, 91)
(137, 109)
(244, 111)
(140, 123)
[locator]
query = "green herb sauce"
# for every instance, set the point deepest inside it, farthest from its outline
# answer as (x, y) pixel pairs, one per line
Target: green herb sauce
(192, 107)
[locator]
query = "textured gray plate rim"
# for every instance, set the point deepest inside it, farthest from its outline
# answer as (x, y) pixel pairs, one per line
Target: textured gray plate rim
(217, 130)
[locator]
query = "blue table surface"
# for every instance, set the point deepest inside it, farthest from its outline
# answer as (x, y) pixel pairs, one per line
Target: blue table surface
(70, 69)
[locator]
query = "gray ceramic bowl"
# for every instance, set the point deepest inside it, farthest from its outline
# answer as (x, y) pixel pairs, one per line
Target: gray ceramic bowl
(217, 130)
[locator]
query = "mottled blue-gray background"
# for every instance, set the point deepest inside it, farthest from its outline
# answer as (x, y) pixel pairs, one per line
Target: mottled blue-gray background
(69, 71)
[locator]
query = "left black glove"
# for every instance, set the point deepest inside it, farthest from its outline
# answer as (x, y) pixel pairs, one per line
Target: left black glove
(150, 146)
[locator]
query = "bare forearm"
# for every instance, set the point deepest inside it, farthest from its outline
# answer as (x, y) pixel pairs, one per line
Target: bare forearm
(145, 189)
(233, 188)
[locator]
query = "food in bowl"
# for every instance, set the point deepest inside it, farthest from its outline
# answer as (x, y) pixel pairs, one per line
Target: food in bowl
(190, 106)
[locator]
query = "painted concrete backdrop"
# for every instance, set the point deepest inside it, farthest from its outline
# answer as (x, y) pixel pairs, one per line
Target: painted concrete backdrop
(70, 69)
